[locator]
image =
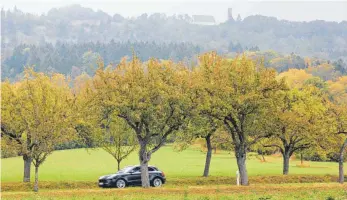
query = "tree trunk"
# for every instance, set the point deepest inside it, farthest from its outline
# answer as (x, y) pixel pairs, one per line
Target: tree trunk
(262, 155)
(208, 155)
(27, 167)
(36, 185)
(118, 164)
(241, 164)
(144, 166)
(286, 158)
(301, 159)
(341, 173)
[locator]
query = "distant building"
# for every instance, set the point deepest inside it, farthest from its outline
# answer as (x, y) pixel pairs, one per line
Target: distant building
(203, 20)
(230, 14)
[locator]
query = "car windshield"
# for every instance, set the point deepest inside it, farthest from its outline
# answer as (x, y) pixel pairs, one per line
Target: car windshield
(126, 169)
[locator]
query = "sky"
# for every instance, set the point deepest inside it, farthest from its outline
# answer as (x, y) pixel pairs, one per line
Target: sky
(288, 10)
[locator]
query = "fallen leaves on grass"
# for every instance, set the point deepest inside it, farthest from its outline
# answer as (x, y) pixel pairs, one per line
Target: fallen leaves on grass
(180, 192)
(174, 182)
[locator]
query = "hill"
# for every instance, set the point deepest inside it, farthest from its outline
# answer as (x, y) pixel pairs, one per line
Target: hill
(77, 24)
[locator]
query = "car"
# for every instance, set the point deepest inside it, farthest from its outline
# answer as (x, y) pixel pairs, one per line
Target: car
(131, 176)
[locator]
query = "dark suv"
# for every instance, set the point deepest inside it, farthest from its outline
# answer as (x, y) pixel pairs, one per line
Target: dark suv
(131, 175)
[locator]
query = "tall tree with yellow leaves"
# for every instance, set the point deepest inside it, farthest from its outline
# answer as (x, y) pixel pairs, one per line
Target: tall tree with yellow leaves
(152, 98)
(337, 107)
(295, 120)
(239, 94)
(13, 125)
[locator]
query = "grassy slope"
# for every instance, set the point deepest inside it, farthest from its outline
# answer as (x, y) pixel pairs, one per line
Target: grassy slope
(81, 165)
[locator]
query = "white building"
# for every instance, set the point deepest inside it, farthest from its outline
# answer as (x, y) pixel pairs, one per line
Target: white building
(203, 20)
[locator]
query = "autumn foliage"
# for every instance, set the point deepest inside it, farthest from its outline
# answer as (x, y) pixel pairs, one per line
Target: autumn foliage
(144, 105)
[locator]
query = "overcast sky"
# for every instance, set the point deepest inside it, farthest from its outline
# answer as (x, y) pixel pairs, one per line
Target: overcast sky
(289, 10)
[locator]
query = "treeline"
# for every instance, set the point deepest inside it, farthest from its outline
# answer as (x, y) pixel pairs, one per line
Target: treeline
(78, 24)
(75, 59)
(325, 69)
(238, 103)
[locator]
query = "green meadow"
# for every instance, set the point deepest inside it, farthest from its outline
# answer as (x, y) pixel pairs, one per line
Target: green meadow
(88, 165)
(72, 174)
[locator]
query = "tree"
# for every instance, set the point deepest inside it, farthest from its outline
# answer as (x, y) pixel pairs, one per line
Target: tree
(254, 48)
(13, 126)
(338, 139)
(325, 71)
(340, 66)
(237, 48)
(99, 125)
(238, 94)
(200, 126)
(238, 19)
(295, 77)
(207, 134)
(231, 46)
(116, 138)
(295, 119)
(90, 60)
(44, 115)
(260, 148)
(337, 110)
(151, 98)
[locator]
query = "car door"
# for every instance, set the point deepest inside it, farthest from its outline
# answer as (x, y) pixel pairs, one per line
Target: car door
(151, 173)
(135, 176)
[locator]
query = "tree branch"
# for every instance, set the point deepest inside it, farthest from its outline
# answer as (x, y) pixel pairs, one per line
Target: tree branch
(255, 140)
(275, 145)
(10, 134)
(301, 147)
(132, 125)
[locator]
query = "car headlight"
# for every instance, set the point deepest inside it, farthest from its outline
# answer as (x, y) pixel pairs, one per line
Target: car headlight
(101, 177)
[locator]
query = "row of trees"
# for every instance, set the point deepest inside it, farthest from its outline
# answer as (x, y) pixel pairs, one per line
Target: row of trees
(143, 105)
(75, 59)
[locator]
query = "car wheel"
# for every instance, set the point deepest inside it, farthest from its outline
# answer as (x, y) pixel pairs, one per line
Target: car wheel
(120, 183)
(157, 182)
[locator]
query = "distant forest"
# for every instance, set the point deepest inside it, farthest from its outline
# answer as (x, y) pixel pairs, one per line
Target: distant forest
(74, 59)
(67, 39)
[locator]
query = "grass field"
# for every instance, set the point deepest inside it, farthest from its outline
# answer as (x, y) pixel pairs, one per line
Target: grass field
(72, 174)
(82, 165)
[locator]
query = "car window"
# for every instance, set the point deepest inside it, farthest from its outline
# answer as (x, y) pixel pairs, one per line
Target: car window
(124, 170)
(150, 169)
(136, 169)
